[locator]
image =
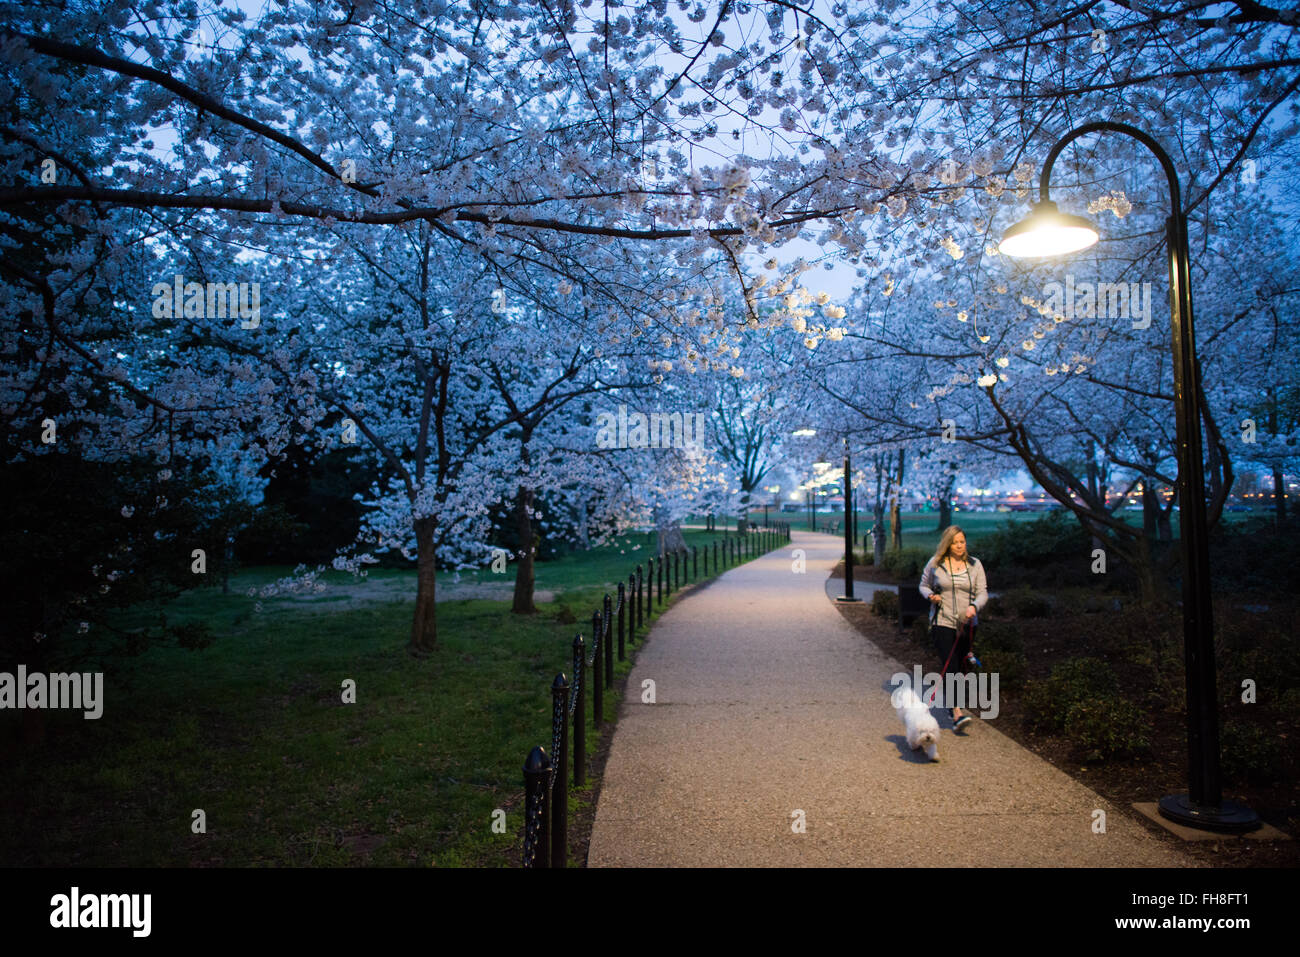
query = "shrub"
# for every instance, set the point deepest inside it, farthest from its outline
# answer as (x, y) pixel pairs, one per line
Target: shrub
(1249, 752)
(1010, 666)
(1094, 604)
(1024, 603)
(1039, 709)
(1242, 555)
(1288, 702)
(1047, 703)
(1108, 727)
(906, 563)
(998, 636)
(1030, 544)
(885, 604)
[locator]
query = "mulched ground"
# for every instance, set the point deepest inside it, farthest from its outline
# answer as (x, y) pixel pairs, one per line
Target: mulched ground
(1163, 771)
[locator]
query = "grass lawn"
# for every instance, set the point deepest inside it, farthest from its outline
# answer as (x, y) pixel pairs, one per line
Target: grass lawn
(254, 732)
(921, 529)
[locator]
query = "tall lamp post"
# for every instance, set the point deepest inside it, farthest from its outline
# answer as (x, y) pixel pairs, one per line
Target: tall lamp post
(848, 531)
(819, 470)
(1048, 232)
(806, 433)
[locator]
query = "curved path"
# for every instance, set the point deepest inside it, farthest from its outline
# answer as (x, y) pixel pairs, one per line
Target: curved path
(767, 702)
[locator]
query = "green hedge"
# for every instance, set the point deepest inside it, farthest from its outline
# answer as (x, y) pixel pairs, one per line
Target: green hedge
(1047, 703)
(1106, 728)
(906, 563)
(1249, 753)
(885, 604)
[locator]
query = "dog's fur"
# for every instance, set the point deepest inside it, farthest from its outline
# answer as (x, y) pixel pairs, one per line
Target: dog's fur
(922, 728)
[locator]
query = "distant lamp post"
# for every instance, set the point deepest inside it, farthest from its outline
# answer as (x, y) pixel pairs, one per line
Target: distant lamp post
(1049, 232)
(848, 530)
(805, 433)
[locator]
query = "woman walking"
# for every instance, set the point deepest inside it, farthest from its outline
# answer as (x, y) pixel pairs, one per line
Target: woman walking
(954, 583)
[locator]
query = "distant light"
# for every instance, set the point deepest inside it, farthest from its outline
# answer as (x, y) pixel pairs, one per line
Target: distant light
(804, 433)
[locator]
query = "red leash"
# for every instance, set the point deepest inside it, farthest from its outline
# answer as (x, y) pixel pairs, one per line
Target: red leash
(956, 640)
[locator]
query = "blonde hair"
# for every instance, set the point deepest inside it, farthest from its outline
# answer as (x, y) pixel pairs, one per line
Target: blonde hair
(945, 543)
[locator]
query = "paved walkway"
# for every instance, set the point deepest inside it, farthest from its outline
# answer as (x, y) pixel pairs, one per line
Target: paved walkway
(768, 702)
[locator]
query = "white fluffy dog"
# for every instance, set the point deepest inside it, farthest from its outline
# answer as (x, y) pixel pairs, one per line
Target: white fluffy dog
(922, 728)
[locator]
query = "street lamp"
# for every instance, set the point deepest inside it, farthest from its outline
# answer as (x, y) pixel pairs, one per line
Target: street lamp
(805, 433)
(848, 530)
(1048, 232)
(772, 490)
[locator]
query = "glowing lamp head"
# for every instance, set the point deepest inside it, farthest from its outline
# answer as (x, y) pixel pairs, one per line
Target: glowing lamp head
(1046, 231)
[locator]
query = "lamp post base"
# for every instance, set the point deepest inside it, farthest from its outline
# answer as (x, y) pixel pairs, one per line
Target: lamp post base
(1229, 817)
(846, 598)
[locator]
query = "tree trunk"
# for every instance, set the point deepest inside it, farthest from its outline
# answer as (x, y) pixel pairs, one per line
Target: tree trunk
(1214, 468)
(896, 509)
(1092, 468)
(878, 514)
(945, 502)
(1150, 511)
(424, 627)
(1144, 568)
(1279, 480)
(584, 529)
(525, 573)
(226, 563)
(1164, 523)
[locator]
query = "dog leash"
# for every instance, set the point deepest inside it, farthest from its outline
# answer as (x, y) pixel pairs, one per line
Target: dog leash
(956, 640)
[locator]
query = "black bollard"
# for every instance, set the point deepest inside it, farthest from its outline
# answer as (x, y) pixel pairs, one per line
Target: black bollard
(560, 790)
(537, 772)
(631, 612)
(597, 678)
(622, 600)
(579, 713)
(607, 629)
